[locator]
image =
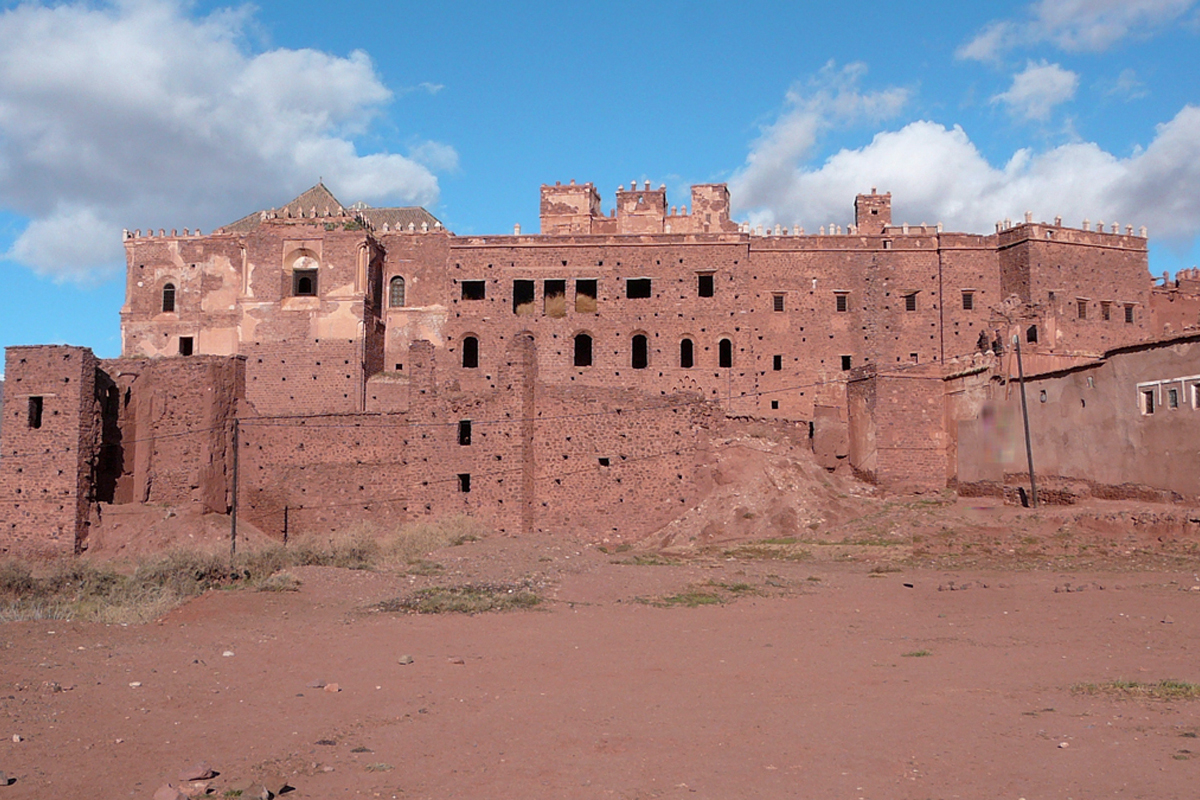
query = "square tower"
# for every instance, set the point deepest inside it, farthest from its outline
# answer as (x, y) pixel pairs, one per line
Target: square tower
(873, 212)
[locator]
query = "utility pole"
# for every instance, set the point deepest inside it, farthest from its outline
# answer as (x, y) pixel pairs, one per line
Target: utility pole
(233, 508)
(1033, 498)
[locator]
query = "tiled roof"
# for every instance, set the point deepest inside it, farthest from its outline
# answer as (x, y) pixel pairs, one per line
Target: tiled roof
(320, 198)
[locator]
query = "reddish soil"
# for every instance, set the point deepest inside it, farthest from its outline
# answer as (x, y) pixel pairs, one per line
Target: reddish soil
(808, 686)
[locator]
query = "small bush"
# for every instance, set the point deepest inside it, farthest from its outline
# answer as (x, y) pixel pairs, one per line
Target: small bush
(15, 578)
(280, 582)
(466, 599)
(1162, 690)
(917, 654)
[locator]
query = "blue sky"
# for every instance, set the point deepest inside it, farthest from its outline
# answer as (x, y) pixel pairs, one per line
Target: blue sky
(160, 114)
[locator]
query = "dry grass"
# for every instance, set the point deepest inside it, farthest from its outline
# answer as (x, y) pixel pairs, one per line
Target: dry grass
(556, 305)
(465, 599)
(585, 304)
(1162, 690)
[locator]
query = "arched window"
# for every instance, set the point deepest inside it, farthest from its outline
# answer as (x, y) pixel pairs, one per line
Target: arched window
(396, 292)
(583, 350)
(304, 283)
(686, 357)
(640, 354)
(168, 298)
(725, 348)
(470, 352)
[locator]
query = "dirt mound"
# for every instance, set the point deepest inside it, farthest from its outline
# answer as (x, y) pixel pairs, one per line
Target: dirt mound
(135, 531)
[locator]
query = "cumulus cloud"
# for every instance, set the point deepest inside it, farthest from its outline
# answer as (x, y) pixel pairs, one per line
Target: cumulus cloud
(1038, 89)
(1075, 25)
(937, 174)
(138, 114)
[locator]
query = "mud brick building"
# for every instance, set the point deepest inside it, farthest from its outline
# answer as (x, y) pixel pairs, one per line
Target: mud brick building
(376, 365)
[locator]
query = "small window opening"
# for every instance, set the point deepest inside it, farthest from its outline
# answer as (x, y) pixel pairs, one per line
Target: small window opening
(843, 301)
(774, 405)
(704, 284)
(464, 482)
(396, 292)
(470, 352)
(777, 302)
(910, 302)
(637, 288)
(168, 298)
(968, 299)
(1172, 398)
(845, 363)
(603, 462)
(913, 358)
(640, 355)
(1148, 401)
(1042, 396)
(583, 350)
(725, 353)
(1105, 310)
(777, 363)
(687, 358)
(1081, 308)
(1196, 395)
(1050, 296)
(887, 244)
(464, 432)
(1031, 334)
(523, 298)
(474, 290)
(304, 283)
(554, 298)
(1128, 315)
(585, 296)
(185, 345)
(35, 412)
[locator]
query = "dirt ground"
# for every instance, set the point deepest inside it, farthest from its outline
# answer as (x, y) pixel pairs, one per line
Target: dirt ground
(932, 650)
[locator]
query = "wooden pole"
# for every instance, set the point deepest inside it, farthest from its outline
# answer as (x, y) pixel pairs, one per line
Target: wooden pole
(1033, 498)
(233, 508)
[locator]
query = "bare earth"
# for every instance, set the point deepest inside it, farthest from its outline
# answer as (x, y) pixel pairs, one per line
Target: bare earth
(819, 680)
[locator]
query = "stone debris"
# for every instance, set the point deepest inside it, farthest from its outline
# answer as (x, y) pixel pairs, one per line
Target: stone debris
(168, 792)
(332, 688)
(316, 684)
(228, 654)
(407, 659)
(457, 660)
(18, 737)
(197, 772)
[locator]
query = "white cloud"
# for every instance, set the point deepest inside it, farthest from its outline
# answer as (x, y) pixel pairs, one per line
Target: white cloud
(937, 174)
(137, 114)
(1038, 89)
(1075, 25)
(1127, 86)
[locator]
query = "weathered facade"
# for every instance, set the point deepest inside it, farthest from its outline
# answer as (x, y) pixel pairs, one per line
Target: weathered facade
(376, 364)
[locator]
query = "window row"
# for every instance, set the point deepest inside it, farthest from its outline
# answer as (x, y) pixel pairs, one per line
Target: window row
(1106, 310)
(1155, 397)
(639, 352)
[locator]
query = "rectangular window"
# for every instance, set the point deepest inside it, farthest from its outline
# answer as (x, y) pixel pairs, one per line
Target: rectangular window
(704, 284)
(464, 432)
(1105, 310)
(1081, 309)
(554, 298)
(910, 302)
(774, 405)
(1128, 315)
(777, 302)
(1147, 401)
(777, 363)
(523, 298)
(304, 283)
(843, 301)
(35, 412)
(464, 482)
(887, 244)
(968, 301)
(914, 358)
(1196, 395)
(585, 296)
(637, 288)
(185, 345)
(1172, 398)
(845, 363)
(474, 290)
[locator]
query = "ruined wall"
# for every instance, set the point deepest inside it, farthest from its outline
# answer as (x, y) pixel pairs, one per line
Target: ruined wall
(1175, 305)
(898, 428)
(48, 440)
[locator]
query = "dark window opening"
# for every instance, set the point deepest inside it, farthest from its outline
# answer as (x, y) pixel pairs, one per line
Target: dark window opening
(910, 302)
(554, 298)
(35, 412)
(845, 363)
(1148, 401)
(185, 345)
(914, 358)
(464, 432)
(637, 288)
(585, 296)
(464, 482)
(1172, 398)
(470, 352)
(603, 462)
(1031, 334)
(168, 298)
(583, 350)
(474, 290)
(304, 283)
(774, 405)
(843, 301)
(725, 353)
(523, 298)
(1128, 315)
(968, 301)
(1081, 308)
(777, 302)
(396, 292)
(1105, 310)
(777, 363)
(887, 244)
(640, 354)
(704, 285)
(687, 358)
